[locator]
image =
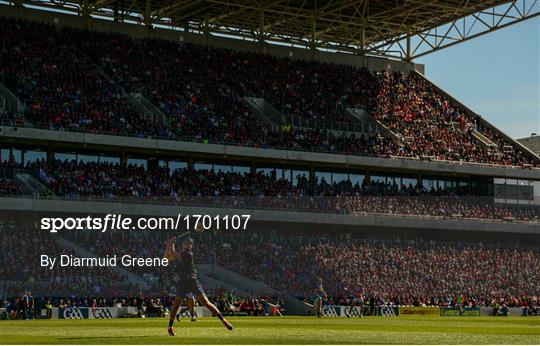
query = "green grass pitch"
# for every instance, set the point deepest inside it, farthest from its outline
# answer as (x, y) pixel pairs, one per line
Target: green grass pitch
(276, 330)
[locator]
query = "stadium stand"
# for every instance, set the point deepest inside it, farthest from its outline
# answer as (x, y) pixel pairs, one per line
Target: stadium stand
(21, 269)
(73, 80)
(137, 184)
(393, 272)
(430, 125)
(405, 273)
(8, 188)
(66, 286)
(199, 88)
(61, 86)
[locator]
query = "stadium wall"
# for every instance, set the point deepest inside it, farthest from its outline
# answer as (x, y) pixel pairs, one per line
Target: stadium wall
(76, 140)
(389, 222)
(140, 31)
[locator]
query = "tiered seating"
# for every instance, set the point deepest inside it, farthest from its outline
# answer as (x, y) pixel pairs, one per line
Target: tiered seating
(77, 80)
(261, 190)
(8, 188)
(405, 273)
(61, 86)
(20, 252)
(431, 126)
(315, 91)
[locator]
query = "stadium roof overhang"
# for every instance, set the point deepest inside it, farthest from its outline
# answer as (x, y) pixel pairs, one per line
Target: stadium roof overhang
(402, 29)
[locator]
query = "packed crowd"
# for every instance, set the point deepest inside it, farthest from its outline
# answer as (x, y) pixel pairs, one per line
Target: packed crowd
(10, 118)
(266, 191)
(80, 80)
(401, 273)
(8, 188)
(392, 272)
(431, 126)
(60, 84)
(20, 254)
(389, 272)
(316, 91)
(64, 287)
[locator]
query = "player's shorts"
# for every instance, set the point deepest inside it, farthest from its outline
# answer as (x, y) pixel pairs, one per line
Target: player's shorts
(189, 289)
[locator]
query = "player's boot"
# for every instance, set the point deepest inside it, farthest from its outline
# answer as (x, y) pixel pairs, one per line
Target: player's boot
(227, 324)
(193, 319)
(171, 331)
(178, 317)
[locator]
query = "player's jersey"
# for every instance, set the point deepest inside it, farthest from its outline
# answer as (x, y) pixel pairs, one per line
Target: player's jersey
(357, 297)
(320, 291)
(186, 266)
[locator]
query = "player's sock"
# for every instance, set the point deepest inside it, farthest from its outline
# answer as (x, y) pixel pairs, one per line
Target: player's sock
(171, 329)
(227, 324)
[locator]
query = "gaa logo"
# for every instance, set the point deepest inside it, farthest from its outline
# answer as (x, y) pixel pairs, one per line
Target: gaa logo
(387, 311)
(330, 310)
(73, 313)
(352, 311)
(102, 313)
(184, 312)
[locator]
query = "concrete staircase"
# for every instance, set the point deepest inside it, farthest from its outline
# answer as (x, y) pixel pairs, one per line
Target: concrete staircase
(210, 282)
(233, 279)
(264, 110)
(363, 116)
(359, 114)
(271, 116)
(11, 102)
(147, 109)
(31, 186)
(484, 141)
(140, 103)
